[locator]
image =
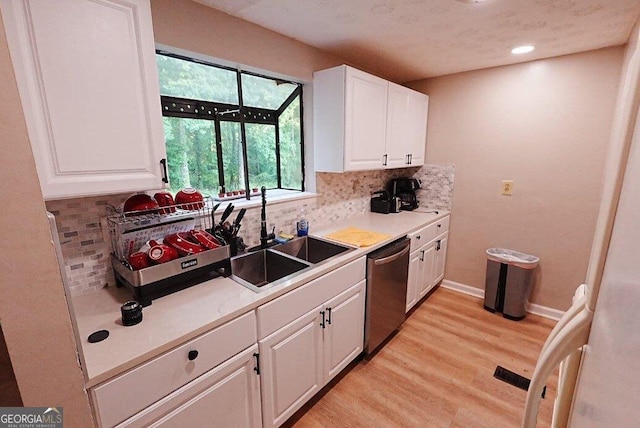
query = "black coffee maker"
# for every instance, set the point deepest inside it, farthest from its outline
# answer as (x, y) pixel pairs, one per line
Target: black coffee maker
(404, 188)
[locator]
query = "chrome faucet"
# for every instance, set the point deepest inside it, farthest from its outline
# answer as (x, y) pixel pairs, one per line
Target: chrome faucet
(265, 237)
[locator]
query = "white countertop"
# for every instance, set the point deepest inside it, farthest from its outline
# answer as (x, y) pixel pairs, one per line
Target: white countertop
(184, 315)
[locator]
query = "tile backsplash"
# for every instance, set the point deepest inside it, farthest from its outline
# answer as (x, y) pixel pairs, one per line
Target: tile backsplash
(86, 249)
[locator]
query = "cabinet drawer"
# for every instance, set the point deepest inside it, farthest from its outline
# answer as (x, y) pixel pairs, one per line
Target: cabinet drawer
(121, 397)
(428, 233)
(442, 226)
(281, 311)
(418, 238)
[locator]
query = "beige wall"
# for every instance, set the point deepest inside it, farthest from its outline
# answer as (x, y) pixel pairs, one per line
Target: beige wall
(194, 27)
(33, 308)
(544, 124)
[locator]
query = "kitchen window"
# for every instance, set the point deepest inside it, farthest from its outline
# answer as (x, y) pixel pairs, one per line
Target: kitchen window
(229, 130)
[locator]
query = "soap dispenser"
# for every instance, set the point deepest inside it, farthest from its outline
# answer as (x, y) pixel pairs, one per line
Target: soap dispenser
(302, 226)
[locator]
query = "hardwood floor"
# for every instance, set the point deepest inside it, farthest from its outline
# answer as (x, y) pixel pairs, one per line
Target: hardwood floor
(437, 371)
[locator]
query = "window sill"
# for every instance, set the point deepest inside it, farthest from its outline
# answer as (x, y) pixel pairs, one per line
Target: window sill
(274, 197)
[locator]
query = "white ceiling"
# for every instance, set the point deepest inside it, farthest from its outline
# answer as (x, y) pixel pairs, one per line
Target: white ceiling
(406, 40)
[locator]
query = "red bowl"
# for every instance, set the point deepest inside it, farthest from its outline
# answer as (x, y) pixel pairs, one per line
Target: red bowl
(205, 239)
(189, 199)
(140, 203)
(161, 253)
(139, 261)
(165, 199)
(181, 242)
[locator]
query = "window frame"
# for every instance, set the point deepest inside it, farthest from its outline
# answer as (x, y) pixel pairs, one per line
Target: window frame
(219, 112)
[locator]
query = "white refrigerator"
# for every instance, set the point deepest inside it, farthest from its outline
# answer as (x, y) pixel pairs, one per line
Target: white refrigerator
(597, 341)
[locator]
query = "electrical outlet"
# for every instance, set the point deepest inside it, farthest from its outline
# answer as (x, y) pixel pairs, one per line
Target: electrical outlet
(507, 187)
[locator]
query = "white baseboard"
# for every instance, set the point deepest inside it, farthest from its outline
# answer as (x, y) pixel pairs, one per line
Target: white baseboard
(532, 308)
(544, 311)
(462, 288)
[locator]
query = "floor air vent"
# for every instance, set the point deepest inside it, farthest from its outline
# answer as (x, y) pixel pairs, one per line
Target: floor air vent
(514, 379)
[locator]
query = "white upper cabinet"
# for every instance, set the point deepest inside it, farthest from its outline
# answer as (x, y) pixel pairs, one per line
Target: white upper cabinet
(406, 126)
(363, 122)
(417, 111)
(87, 78)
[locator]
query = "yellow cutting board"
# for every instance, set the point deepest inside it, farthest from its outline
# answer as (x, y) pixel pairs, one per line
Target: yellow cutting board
(358, 237)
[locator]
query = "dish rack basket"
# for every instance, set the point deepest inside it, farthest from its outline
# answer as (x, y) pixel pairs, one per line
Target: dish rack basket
(131, 230)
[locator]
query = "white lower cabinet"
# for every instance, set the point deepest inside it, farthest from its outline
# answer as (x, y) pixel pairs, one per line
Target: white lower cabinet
(440, 256)
(426, 262)
(303, 356)
(421, 264)
(307, 336)
(416, 275)
(211, 369)
(291, 367)
(344, 330)
(227, 396)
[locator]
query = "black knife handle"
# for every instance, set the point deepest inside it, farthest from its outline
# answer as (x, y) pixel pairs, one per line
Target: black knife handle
(239, 217)
(226, 213)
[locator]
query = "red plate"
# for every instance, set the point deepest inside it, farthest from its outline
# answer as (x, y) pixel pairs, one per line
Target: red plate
(181, 242)
(205, 239)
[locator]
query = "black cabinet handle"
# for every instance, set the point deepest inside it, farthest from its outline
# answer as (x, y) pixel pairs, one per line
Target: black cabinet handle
(422, 255)
(437, 245)
(329, 319)
(384, 162)
(322, 322)
(410, 158)
(418, 237)
(439, 226)
(192, 355)
(257, 367)
(165, 176)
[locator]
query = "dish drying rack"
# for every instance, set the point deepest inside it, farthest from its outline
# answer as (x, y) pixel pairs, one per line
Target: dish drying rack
(131, 230)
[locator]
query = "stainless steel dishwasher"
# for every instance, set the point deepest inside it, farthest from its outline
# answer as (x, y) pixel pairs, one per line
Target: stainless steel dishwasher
(387, 273)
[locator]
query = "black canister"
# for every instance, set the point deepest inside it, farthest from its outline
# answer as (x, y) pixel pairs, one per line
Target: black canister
(131, 313)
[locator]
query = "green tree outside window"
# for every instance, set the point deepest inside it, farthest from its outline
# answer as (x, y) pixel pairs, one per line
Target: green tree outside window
(207, 151)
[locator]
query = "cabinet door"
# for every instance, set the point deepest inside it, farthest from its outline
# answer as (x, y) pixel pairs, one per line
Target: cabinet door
(406, 126)
(417, 112)
(365, 121)
(399, 132)
(440, 258)
(416, 277)
(428, 269)
(89, 88)
(344, 329)
(228, 395)
(291, 367)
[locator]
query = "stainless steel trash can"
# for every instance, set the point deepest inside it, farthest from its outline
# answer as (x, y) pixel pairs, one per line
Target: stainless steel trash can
(508, 282)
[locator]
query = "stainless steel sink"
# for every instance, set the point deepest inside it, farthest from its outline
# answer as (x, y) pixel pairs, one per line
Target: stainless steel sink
(265, 267)
(311, 249)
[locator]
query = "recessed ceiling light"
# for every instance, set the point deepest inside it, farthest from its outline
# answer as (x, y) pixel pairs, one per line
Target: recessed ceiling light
(522, 49)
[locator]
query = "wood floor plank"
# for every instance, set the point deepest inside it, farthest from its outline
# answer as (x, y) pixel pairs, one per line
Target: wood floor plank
(437, 371)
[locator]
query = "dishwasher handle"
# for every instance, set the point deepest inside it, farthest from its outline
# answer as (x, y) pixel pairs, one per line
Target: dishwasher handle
(392, 257)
